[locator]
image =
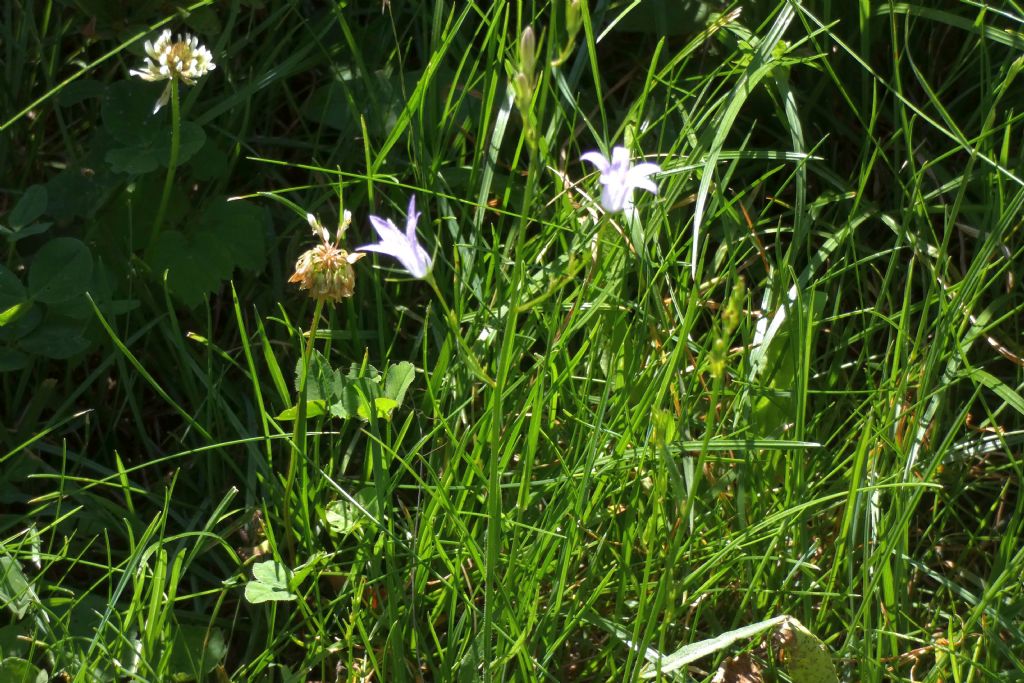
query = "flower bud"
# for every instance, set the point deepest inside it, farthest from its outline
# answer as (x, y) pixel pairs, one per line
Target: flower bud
(528, 54)
(734, 306)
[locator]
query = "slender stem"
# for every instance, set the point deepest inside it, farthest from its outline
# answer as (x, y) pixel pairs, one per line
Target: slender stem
(299, 435)
(453, 323)
(172, 164)
(495, 504)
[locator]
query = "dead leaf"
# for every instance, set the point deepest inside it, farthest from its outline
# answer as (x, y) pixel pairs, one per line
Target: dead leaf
(739, 669)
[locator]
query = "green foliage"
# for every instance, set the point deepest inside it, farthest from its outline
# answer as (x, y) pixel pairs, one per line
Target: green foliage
(227, 235)
(17, 670)
(22, 219)
(140, 141)
(113, 189)
(46, 316)
(271, 581)
(806, 657)
(354, 393)
(583, 450)
(352, 515)
(15, 590)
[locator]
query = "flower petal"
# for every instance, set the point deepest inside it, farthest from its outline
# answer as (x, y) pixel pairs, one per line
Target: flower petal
(387, 230)
(620, 158)
(403, 246)
(598, 160)
(644, 184)
(411, 218)
(615, 196)
(165, 97)
(392, 249)
(644, 170)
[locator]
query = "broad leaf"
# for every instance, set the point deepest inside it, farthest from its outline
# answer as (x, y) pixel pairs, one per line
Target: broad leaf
(345, 516)
(313, 409)
(15, 590)
(30, 206)
(56, 340)
(11, 360)
(270, 583)
(398, 379)
(807, 658)
(61, 270)
(196, 651)
(15, 670)
(142, 140)
(226, 236)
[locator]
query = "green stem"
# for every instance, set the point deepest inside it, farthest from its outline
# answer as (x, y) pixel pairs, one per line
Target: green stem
(453, 324)
(495, 507)
(172, 164)
(299, 435)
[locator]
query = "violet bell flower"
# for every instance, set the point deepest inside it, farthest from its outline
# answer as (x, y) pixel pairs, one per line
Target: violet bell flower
(619, 179)
(403, 246)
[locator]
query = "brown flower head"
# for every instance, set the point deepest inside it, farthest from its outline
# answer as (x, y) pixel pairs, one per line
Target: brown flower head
(326, 269)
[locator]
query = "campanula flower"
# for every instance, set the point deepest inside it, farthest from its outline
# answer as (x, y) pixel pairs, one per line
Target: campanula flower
(619, 179)
(403, 246)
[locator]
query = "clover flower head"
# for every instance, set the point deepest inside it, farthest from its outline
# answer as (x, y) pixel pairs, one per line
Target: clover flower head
(404, 246)
(326, 269)
(619, 178)
(184, 60)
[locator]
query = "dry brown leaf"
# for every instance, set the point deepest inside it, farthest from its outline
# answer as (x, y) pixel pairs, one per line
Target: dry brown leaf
(739, 669)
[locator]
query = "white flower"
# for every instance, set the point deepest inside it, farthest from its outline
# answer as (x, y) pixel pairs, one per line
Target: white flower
(619, 179)
(403, 246)
(185, 60)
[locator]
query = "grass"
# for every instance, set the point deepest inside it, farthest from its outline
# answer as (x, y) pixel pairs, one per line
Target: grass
(791, 385)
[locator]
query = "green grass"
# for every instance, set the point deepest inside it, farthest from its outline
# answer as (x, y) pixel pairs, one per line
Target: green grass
(593, 465)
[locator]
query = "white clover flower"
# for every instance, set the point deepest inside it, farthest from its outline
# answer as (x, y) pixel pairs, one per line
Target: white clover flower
(185, 60)
(326, 269)
(619, 179)
(403, 246)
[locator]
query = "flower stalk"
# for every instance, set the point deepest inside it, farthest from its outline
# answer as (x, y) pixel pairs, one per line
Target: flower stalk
(172, 163)
(298, 449)
(185, 61)
(326, 272)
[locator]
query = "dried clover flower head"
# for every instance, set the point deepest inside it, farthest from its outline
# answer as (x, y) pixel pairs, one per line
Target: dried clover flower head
(326, 269)
(185, 60)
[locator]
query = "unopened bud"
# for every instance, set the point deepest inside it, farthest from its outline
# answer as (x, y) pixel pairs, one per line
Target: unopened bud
(528, 53)
(523, 90)
(734, 306)
(719, 355)
(346, 220)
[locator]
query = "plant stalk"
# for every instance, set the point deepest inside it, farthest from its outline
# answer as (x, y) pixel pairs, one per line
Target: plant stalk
(172, 165)
(299, 436)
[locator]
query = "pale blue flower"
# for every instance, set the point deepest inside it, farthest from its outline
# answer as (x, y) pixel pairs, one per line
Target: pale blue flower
(403, 246)
(619, 179)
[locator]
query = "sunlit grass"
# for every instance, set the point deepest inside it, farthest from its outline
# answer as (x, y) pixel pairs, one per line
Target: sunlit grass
(789, 384)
